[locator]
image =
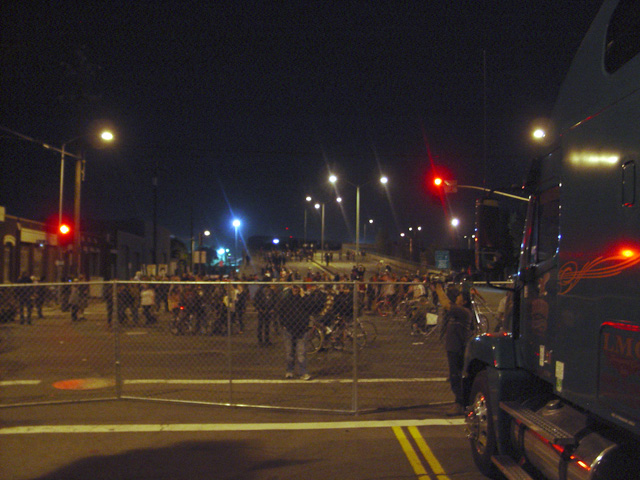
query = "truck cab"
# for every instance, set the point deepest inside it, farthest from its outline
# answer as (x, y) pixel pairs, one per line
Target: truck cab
(559, 394)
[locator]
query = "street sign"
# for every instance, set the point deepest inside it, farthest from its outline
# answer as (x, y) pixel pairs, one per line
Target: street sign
(443, 261)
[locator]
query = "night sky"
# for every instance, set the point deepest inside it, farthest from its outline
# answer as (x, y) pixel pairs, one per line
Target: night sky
(242, 108)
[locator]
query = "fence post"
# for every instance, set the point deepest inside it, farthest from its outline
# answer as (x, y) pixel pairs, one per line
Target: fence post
(115, 321)
(229, 362)
(354, 393)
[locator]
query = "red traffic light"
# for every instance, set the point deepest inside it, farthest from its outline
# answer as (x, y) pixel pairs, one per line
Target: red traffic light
(64, 235)
(438, 181)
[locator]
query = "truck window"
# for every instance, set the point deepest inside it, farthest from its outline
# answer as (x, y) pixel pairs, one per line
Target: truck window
(546, 226)
(623, 41)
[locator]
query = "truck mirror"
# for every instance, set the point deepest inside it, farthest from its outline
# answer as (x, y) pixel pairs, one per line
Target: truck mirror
(489, 256)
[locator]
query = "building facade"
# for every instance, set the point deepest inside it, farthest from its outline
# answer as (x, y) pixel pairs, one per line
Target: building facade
(109, 250)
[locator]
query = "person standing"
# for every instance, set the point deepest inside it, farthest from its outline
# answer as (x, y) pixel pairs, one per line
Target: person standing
(148, 301)
(294, 310)
(74, 301)
(40, 296)
(456, 329)
(25, 298)
(265, 302)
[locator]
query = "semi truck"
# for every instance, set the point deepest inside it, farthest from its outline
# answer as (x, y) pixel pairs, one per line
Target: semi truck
(557, 395)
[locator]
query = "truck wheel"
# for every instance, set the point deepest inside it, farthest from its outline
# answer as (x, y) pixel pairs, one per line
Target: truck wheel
(482, 436)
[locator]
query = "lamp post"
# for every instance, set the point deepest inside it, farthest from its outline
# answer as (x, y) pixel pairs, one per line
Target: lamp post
(333, 179)
(236, 224)
(455, 223)
(308, 199)
(202, 254)
(105, 136)
(319, 206)
(365, 228)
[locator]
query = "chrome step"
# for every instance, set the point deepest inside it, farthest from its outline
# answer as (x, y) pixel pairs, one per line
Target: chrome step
(509, 468)
(543, 427)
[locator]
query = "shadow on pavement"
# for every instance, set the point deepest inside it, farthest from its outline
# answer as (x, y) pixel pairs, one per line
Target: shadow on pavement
(193, 460)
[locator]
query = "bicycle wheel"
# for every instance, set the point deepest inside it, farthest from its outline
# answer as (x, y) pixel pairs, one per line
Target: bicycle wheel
(354, 335)
(383, 308)
(403, 309)
(315, 339)
(370, 330)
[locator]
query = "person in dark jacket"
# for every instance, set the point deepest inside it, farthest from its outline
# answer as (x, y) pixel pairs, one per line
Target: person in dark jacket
(294, 309)
(25, 298)
(456, 329)
(265, 303)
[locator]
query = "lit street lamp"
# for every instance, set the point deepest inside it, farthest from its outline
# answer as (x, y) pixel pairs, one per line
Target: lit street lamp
(365, 228)
(80, 163)
(236, 224)
(333, 179)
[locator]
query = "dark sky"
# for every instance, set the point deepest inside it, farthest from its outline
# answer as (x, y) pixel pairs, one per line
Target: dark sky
(244, 107)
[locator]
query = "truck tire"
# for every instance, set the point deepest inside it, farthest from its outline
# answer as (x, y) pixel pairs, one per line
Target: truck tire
(482, 435)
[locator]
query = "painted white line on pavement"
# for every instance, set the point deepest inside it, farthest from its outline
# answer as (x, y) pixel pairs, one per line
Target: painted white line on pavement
(9, 383)
(248, 381)
(285, 381)
(225, 427)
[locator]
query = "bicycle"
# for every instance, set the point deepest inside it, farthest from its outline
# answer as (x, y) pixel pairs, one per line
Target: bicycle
(340, 335)
(422, 317)
(384, 306)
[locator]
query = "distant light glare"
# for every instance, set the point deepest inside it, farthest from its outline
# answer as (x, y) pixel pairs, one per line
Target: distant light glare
(384, 180)
(236, 223)
(594, 158)
(455, 222)
(628, 253)
(539, 134)
(107, 136)
(276, 241)
(333, 178)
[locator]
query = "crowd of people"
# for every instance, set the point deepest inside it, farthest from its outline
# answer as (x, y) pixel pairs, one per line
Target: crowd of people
(282, 297)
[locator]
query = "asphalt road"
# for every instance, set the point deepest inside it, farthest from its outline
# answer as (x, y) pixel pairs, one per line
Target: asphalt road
(142, 440)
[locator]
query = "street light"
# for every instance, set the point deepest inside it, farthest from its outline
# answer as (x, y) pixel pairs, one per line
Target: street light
(333, 179)
(365, 228)
(105, 136)
(236, 224)
(201, 253)
(318, 206)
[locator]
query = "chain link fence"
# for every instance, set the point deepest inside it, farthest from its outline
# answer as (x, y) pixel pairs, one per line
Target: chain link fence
(335, 347)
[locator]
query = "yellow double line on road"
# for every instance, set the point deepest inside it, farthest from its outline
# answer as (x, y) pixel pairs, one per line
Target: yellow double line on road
(414, 457)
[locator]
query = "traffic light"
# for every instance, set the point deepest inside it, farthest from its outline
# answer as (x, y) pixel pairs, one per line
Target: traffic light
(447, 186)
(65, 237)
